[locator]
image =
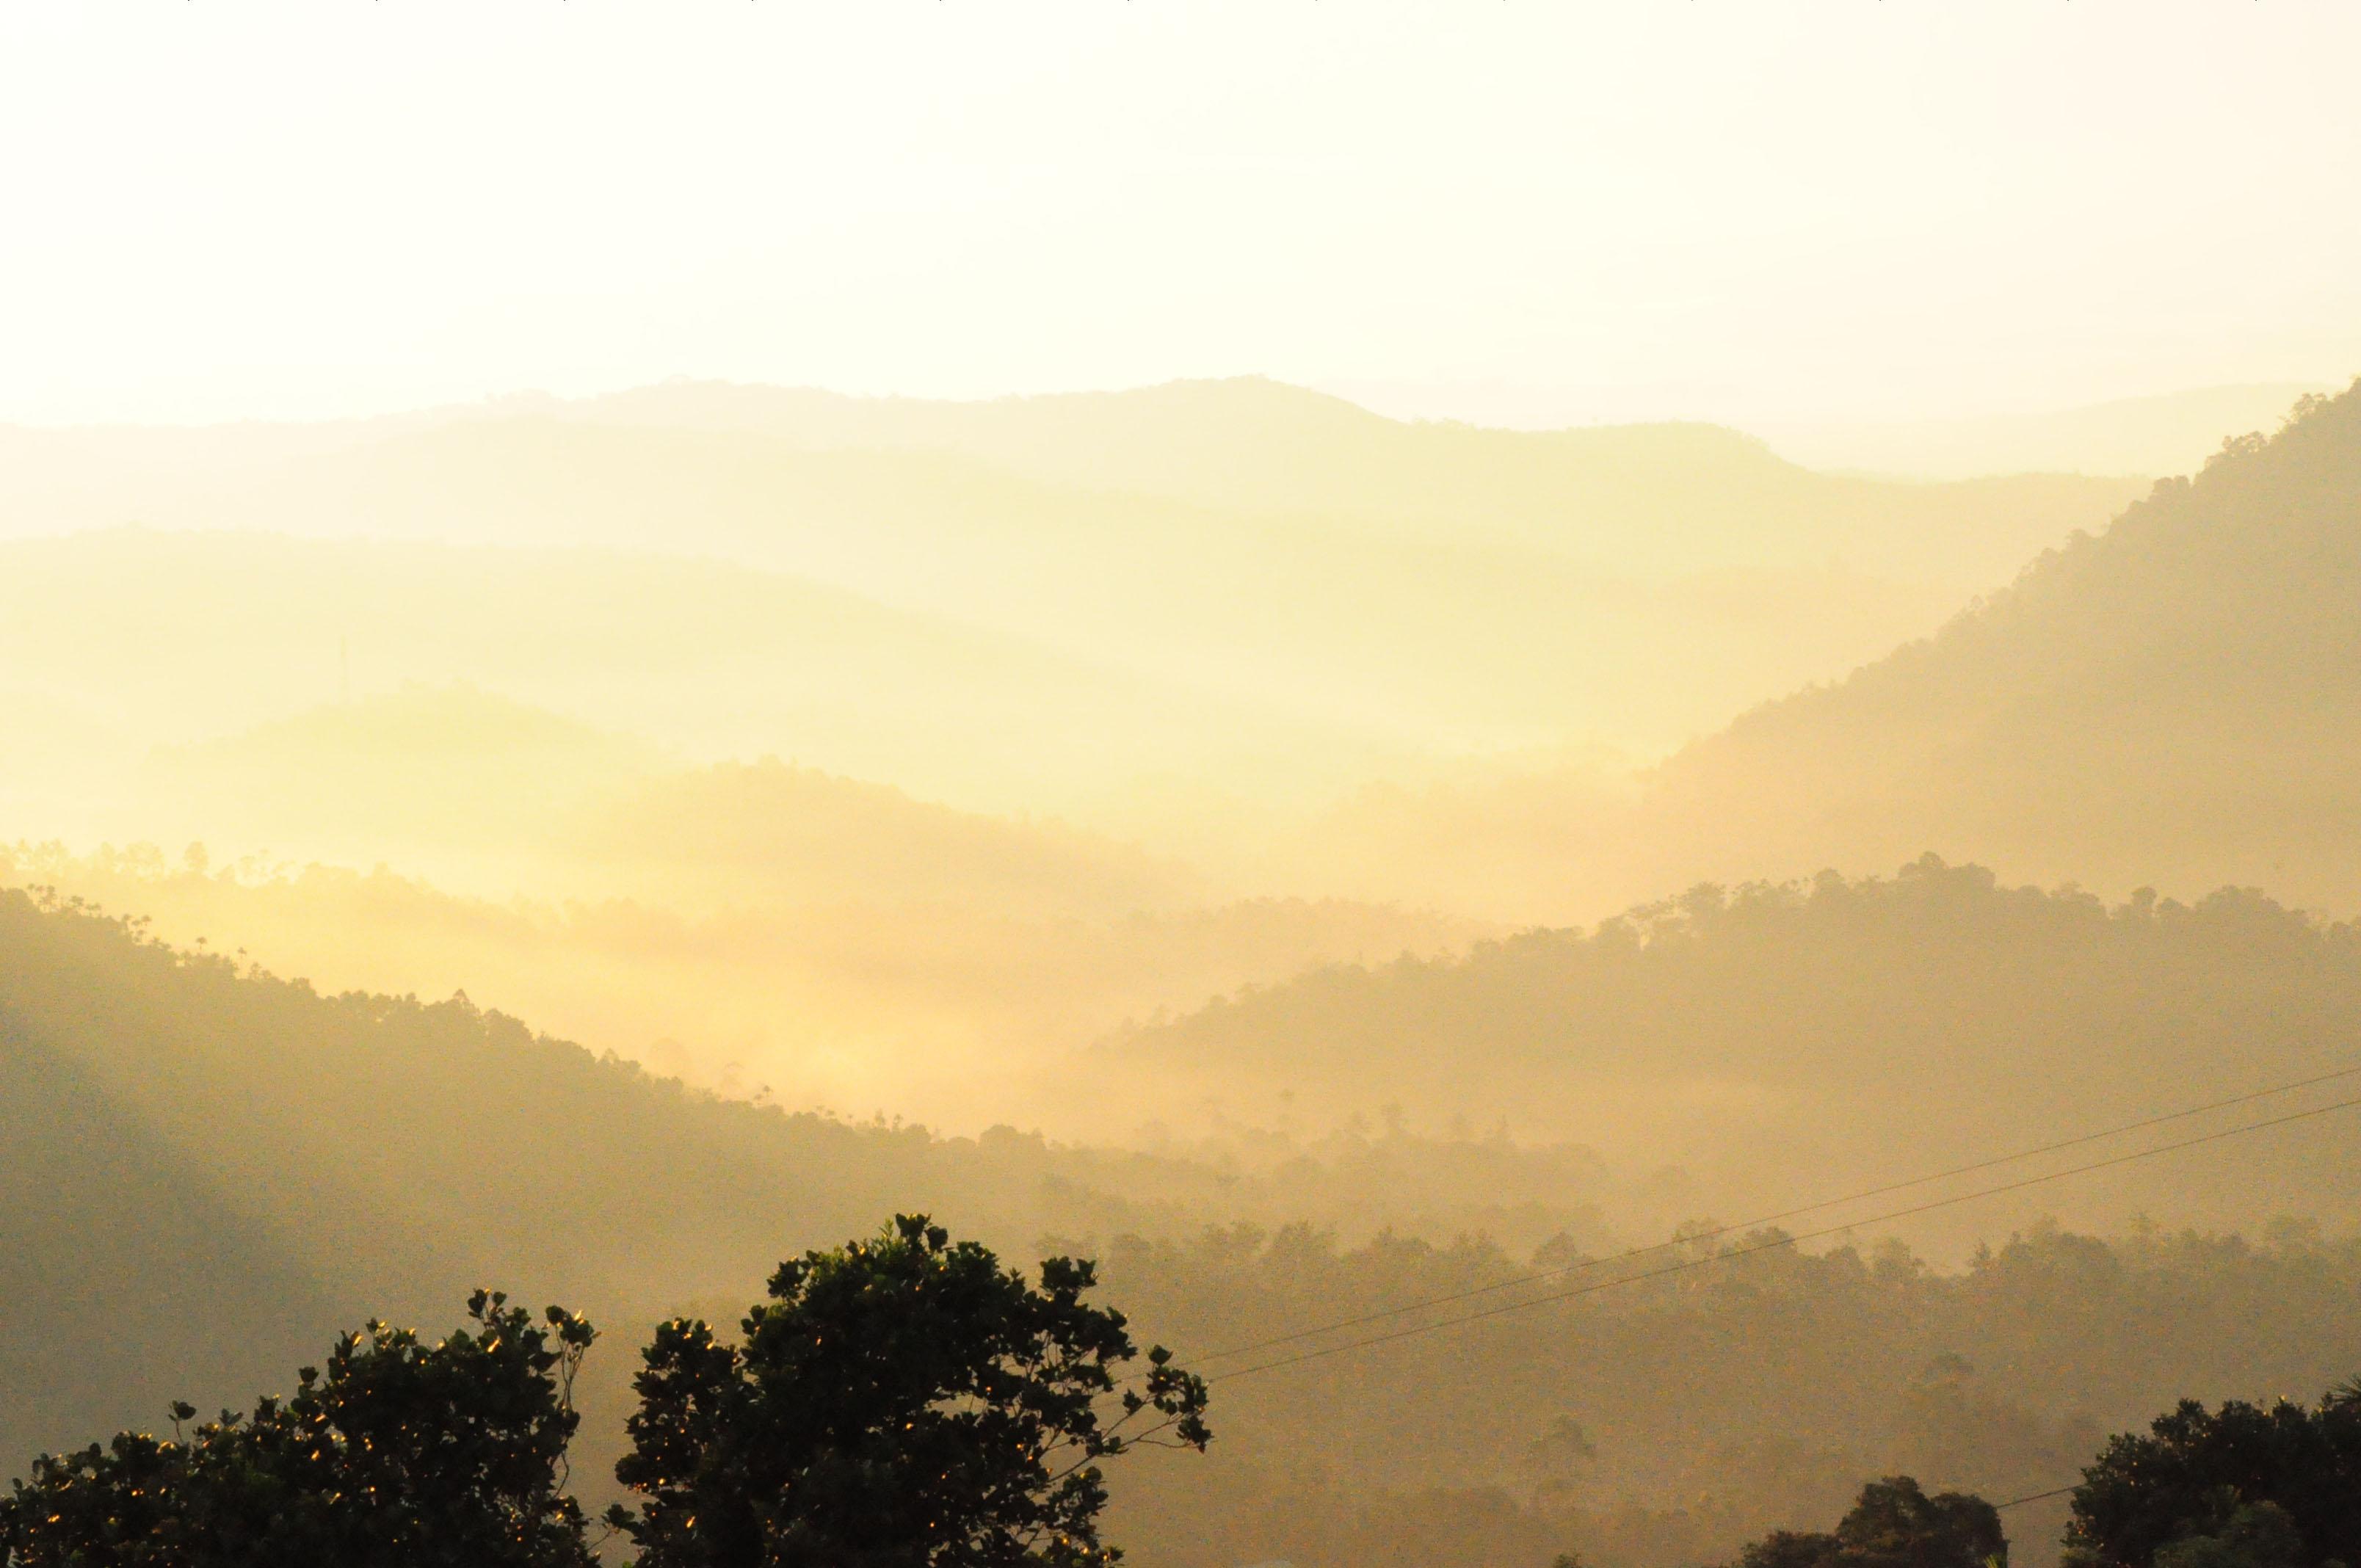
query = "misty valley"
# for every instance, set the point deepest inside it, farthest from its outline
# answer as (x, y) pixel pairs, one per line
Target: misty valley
(1611, 998)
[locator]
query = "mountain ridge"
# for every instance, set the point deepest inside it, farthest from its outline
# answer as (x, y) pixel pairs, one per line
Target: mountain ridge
(2183, 682)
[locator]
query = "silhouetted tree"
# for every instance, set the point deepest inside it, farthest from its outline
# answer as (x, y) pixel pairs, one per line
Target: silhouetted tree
(899, 1401)
(1893, 1525)
(2259, 1535)
(401, 1454)
(2276, 1487)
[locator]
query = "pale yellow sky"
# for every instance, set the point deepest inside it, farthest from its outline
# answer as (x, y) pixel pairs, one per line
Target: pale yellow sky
(1749, 210)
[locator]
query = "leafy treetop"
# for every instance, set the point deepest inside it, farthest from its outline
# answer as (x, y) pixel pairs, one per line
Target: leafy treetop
(897, 1402)
(400, 1454)
(1893, 1525)
(2275, 1488)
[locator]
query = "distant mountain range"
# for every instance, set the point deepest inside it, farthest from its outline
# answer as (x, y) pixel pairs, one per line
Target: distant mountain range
(2173, 704)
(1647, 498)
(116, 641)
(1268, 604)
(2170, 701)
(1212, 613)
(1425, 589)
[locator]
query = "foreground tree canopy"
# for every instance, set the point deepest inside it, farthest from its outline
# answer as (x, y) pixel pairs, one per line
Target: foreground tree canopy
(897, 1402)
(907, 1402)
(1893, 1525)
(2242, 1487)
(400, 1454)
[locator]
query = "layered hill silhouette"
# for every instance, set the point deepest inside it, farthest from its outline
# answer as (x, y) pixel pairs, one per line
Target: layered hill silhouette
(2173, 701)
(483, 791)
(766, 833)
(452, 780)
(1682, 497)
(119, 641)
(1419, 588)
(1657, 497)
(2168, 702)
(743, 923)
(756, 926)
(1788, 1042)
(212, 1170)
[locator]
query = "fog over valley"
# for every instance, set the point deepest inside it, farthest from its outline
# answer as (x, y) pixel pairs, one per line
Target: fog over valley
(1220, 787)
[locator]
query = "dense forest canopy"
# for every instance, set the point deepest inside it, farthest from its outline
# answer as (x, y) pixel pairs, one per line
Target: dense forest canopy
(1664, 1422)
(1798, 1035)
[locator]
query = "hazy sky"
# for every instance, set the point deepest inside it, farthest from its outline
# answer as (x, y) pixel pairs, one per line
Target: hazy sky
(212, 208)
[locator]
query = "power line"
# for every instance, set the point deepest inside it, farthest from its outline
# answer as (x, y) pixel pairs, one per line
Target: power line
(1688, 1265)
(2037, 1498)
(1535, 1277)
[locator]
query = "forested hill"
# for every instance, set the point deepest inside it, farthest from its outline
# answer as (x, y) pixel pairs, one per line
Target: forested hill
(211, 1169)
(2171, 701)
(1790, 1041)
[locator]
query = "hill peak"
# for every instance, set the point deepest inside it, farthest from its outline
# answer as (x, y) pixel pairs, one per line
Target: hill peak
(2173, 700)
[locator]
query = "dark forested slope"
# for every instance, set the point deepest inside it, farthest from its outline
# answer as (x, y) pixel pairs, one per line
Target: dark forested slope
(210, 1169)
(120, 1252)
